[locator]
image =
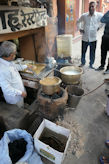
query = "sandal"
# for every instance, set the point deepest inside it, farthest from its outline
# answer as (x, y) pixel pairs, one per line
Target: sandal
(102, 160)
(107, 143)
(105, 113)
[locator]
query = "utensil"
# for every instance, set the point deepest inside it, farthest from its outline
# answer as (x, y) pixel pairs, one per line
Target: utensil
(50, 85)
(71, 74)
(33, 72)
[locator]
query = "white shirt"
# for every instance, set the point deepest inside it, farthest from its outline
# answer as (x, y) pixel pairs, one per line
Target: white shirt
(90, 25)
(11, 82)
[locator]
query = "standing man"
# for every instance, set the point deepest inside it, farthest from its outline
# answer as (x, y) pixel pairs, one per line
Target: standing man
(10, 80)
(104, 43)
(88, 25)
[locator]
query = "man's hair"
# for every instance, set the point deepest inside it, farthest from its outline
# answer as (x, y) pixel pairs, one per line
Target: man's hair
(7, 48)
(92, 2)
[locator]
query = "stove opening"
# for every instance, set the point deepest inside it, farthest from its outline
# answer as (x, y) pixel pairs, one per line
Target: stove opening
(31, 95)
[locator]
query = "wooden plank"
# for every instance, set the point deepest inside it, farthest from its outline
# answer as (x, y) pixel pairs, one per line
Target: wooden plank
(16, 35)
(27, 49)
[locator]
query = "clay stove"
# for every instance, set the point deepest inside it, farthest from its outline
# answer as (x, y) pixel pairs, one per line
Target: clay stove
(52, 106)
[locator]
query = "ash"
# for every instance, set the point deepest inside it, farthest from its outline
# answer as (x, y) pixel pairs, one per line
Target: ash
(76, 145)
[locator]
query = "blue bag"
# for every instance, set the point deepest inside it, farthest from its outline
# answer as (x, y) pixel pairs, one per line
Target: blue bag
(9, 136)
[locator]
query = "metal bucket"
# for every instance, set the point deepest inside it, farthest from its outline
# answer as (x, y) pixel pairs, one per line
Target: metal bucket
(74, 95)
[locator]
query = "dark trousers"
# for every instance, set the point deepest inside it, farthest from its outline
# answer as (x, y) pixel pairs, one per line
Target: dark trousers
(104, 49)
(92, 46)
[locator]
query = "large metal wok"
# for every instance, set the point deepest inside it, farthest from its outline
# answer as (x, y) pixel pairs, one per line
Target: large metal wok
(71, 74)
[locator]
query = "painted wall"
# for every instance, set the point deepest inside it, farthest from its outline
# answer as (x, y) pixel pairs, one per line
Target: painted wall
(105, 6)
(86, 5)
(69, 17)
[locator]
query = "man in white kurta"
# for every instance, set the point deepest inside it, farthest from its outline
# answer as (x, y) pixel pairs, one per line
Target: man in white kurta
(88, 25)
(10, 80)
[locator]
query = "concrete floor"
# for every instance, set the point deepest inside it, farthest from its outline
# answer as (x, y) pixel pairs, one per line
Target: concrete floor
(89, 114)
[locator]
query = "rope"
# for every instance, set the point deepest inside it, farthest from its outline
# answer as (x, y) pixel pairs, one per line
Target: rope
(94, 89)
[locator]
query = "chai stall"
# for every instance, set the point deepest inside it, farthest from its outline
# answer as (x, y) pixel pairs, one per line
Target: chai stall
(27, 26)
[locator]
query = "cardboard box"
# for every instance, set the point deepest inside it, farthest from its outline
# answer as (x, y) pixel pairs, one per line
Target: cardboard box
(44, 149)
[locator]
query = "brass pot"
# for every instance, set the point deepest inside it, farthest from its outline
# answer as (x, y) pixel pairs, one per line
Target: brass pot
(71, 74)
(50, 85)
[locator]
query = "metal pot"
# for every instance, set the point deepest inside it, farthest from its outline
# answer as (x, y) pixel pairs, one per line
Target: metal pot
(71, 74)
(50, 85)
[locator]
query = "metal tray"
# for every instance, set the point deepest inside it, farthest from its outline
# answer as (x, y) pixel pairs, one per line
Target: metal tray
(38, 67)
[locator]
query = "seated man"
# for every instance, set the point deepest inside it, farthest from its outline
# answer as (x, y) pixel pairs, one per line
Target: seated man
(10, 80)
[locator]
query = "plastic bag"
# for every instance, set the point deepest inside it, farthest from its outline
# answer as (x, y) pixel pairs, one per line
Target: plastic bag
(35, 159)
(10, 136)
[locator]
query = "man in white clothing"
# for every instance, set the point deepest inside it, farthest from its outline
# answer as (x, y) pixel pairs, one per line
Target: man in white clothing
(10, 80)
(88, 25)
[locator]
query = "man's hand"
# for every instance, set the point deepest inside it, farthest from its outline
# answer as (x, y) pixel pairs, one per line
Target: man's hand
(30, 67)
(24, 94)
(81, 31)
